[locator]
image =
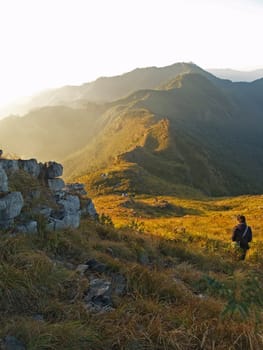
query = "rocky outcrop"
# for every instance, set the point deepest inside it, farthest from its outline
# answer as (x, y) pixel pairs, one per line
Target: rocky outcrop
(59, 205)
(31, 166)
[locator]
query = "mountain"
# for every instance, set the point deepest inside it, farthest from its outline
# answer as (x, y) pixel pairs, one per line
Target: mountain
(236, 75)
(105, 89)
(191, 134)
(195, 134)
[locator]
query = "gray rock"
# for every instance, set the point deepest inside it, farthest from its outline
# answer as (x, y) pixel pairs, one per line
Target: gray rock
(98, 296)
(50, 226)
(70, 203)
(12, 343)
(4, 224)
(2, 205)
(3, 180)
(68, 215)
(9, 165)
(28, 227)
(38, 317)
(70, 220)
(31, 166)
(53, 170)
(95, 265)
(88, 208)
(42, 210)
(11, 205)
(56, 185)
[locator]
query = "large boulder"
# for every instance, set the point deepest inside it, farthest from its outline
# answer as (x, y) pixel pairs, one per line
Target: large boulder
(53, 170)
(3, 180)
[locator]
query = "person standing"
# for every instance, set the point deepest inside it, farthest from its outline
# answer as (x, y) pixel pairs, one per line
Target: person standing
(242, 235)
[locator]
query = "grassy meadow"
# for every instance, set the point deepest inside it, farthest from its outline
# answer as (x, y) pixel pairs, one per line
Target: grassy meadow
(184, 287)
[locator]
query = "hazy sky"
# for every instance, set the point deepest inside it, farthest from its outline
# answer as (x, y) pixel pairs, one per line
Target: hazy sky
(49, 43)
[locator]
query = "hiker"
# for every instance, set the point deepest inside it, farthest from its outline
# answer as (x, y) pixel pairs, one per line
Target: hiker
(1, 152)
(242, 234)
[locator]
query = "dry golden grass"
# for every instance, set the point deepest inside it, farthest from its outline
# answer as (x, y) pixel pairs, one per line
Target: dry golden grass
(184, 289)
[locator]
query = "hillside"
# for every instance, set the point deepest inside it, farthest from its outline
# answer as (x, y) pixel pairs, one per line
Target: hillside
(165, 277)
(194, 134)
(199, 135)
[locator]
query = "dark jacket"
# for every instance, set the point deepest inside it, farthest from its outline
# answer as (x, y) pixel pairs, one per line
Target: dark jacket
(237, 235)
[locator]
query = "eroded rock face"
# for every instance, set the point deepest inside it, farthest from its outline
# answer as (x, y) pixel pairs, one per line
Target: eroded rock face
(3, 180)
(31, 166)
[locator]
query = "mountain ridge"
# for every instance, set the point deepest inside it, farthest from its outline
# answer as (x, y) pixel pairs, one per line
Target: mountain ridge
(194, 130)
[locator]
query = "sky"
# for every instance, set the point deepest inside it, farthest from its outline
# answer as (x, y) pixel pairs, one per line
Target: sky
(51, 43)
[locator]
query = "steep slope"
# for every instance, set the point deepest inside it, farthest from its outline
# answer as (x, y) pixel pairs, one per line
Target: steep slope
(198, 135)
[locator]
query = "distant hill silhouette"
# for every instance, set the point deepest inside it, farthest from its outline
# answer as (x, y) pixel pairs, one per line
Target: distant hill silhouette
(236, 75)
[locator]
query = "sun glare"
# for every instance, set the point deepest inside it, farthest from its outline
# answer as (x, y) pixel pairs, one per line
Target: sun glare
(52, 43)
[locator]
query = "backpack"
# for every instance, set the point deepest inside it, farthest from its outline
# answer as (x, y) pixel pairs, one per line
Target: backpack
(243, 242)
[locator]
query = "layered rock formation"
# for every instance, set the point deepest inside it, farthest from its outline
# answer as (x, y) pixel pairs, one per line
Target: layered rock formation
(33, 193)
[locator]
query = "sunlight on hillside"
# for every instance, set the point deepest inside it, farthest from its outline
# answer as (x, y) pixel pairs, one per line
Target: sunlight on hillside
(171, 217)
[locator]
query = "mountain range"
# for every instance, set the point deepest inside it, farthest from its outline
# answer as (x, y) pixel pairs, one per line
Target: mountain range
(177, 129)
